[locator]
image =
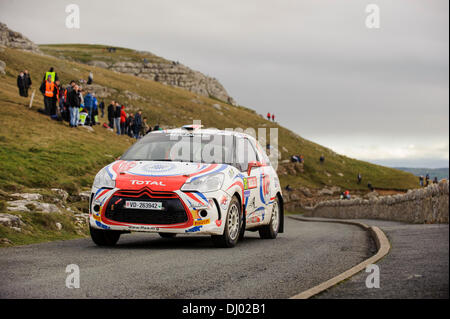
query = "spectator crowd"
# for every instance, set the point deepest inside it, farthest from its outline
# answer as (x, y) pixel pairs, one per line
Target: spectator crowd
(80, 107)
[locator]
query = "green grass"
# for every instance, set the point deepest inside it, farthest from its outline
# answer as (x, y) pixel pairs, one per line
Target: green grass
(38, 152)
(41, 227)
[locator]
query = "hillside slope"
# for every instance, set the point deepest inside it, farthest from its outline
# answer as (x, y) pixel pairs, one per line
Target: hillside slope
(38, 152)
(142, 64)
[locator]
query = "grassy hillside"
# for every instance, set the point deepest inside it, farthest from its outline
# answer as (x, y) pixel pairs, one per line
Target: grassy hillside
(38, 152)
(89, 52)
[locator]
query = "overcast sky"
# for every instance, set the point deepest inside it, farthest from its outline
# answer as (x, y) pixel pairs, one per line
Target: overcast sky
(374, 94)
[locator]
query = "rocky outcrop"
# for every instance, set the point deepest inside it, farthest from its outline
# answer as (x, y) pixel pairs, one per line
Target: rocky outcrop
(174, 74)
(16, 40)
(24, 205)
(2, 67)
(425, 205)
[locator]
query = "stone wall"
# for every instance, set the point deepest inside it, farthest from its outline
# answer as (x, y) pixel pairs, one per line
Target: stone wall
(16, 40)
(426, 205)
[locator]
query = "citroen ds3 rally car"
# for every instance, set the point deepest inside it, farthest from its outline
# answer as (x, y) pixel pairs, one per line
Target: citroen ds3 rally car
(188, 181)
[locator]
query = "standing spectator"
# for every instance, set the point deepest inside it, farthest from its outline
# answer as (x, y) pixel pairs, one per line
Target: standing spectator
(427, 180)
(48, 90)
(369, 185)
(21, 84)
(28, 82)
(89, 106)
(137, 124)
(117, 111)
(421, 180)
(359, 178)
(435, 180)
(130, 125)
(268, 116)
(322, 159)
(54, 101)
(95, 109)
(90, 78)
(145, 127)
(123, 120)
(111, 108)
(101, 106)
(73, 100)
(273, 117)
(66, 105)
(52, 73)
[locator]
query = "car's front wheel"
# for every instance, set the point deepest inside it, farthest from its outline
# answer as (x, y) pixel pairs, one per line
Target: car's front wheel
(271, 231)
(104, 237)
(230, 235)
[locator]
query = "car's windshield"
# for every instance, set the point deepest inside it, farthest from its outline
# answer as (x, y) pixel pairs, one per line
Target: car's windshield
(199, 148)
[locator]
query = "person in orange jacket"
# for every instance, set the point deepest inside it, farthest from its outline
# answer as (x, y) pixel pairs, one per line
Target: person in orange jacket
(49, 90)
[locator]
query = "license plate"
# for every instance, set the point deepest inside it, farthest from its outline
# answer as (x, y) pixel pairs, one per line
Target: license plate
(134, 204)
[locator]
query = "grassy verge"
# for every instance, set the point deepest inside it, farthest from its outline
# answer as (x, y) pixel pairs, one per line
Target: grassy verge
(41, 227)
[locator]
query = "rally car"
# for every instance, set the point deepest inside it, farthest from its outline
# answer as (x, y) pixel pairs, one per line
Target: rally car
(188, 181)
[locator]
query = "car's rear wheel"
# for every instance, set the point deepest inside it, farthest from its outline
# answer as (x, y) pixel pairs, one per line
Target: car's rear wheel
(167, 235)
(104, 237)
(271, 231)
(230, 235)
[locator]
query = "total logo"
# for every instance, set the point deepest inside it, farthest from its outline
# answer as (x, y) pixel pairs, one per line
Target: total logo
(137, 182)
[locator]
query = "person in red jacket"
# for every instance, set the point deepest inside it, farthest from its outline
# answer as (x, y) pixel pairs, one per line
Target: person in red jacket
(268, 116)
(273, 117)
(123, 119)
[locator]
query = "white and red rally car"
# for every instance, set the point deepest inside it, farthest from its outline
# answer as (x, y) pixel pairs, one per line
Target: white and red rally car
(188, 181)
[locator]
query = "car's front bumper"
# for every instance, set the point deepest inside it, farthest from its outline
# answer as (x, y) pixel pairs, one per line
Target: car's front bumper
(184, 212)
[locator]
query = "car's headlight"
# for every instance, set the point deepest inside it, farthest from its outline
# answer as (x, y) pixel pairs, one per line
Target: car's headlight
(102, 179)
(209, 183)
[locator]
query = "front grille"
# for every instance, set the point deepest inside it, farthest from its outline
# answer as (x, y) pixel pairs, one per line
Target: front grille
(173, 210)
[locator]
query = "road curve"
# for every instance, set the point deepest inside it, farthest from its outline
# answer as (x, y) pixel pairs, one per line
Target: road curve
(147, 266)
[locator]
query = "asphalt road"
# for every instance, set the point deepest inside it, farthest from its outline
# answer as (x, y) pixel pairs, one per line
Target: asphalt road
(416, 267)
(147, 266)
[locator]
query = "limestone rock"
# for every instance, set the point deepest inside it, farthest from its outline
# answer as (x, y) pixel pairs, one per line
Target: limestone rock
(9, 220)
(24, 205)
(2, 67)
(84, 195)
(61, 193)
(16, 40)
(28, 196)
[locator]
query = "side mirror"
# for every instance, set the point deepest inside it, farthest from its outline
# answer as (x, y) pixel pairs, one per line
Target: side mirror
(251, 165)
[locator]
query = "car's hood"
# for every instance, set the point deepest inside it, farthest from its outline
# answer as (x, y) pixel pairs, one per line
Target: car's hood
(158, 176)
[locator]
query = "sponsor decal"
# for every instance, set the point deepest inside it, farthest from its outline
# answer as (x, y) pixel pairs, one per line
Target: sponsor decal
(125, 166)
(143, 227)
(224, 200)
(202, 222)
(252, 182)
(137, 182)
(245, 183)
(101, 225)
(193, 229)
(218, 222)
(158, 167)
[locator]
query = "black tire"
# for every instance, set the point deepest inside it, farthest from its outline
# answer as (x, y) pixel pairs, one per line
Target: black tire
(227, 240)
(167, 235)
(104, 237)
(271, 231)
(242, 231)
